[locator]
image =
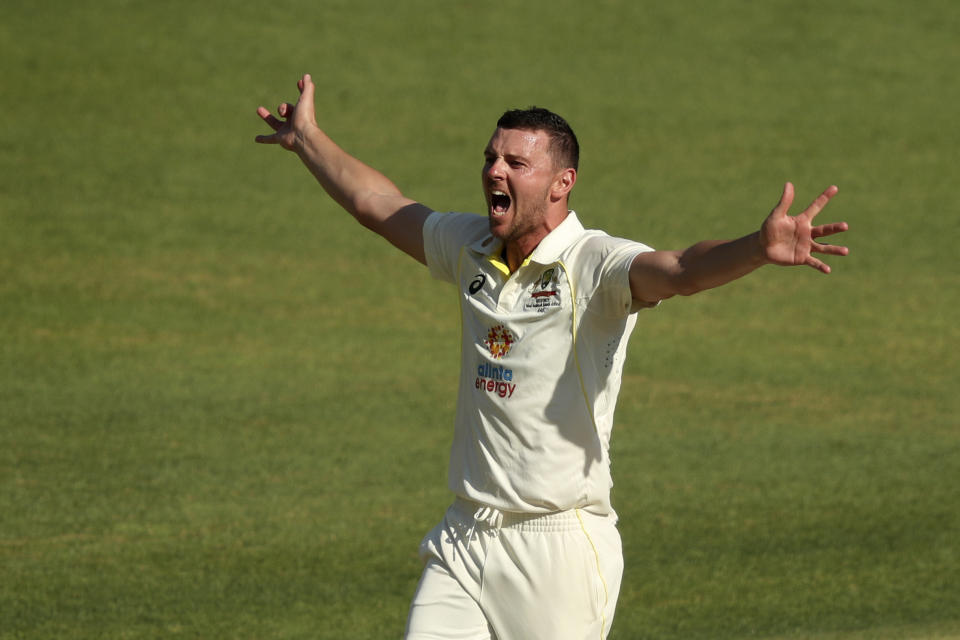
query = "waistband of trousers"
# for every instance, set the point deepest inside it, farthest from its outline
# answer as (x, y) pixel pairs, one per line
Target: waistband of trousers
(551, 521)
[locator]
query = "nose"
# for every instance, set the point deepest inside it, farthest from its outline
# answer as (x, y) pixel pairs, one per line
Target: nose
(494, 169)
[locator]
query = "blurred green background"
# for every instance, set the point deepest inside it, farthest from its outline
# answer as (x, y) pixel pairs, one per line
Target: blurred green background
(225, 408)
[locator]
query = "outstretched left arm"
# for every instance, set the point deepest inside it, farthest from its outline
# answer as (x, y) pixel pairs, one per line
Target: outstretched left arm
(782, 239)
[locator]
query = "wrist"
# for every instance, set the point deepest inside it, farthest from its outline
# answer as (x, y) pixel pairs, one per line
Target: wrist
(306, 140)
(759, 242)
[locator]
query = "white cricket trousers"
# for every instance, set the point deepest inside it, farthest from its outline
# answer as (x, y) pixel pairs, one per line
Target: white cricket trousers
(492, 575)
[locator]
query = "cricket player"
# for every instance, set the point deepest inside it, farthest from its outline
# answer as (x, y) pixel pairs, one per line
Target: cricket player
(529, 549)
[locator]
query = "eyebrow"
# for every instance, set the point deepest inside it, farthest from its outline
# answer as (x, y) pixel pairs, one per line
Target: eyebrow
(488, 152)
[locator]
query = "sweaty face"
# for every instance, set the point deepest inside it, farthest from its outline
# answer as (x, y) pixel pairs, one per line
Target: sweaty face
(518, 171)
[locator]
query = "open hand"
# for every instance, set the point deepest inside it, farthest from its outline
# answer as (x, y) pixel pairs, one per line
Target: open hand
(791, 240)
(289, 132)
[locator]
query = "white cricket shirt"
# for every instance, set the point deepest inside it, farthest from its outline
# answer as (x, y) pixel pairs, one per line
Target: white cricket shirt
(542, 353)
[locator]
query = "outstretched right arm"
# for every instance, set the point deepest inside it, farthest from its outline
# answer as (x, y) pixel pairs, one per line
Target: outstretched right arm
(364, 192)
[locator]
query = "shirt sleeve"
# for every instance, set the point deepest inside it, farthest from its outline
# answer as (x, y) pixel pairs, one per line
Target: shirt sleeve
(612, 296)
(444, 236)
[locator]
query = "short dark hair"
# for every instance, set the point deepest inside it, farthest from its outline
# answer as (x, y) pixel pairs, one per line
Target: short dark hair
(563, 143)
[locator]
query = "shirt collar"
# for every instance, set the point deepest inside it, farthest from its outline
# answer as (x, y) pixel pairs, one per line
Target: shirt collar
(549, 249)
(558, 240)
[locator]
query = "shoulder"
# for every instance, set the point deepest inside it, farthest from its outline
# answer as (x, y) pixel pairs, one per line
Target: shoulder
(444, 237)
(599, 248)
(601, 264)
(466, 228)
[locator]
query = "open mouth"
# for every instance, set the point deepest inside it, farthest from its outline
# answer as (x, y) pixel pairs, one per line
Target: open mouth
(499, 203)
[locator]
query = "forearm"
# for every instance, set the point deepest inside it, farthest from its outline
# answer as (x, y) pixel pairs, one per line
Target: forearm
(782, 240)
(355, 186)
(658, 275)
(713, 263)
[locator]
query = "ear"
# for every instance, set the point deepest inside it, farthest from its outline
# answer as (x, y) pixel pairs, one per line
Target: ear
(563, 183)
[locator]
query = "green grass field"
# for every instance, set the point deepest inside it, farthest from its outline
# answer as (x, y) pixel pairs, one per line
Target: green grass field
(225, 408)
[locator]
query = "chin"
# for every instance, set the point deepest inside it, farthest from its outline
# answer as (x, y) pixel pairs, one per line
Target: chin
(499, 227)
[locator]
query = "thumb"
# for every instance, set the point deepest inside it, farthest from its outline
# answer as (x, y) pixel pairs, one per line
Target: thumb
(306, 88)
(306, 112)
(786, 199)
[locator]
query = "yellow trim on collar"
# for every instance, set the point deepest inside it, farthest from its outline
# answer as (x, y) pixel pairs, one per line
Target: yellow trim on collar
(502, 266)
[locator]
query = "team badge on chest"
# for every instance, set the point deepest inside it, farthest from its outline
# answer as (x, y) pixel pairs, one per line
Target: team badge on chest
(545, 292)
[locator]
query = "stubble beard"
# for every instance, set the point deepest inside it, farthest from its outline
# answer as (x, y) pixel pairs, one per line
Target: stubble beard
(527, 221)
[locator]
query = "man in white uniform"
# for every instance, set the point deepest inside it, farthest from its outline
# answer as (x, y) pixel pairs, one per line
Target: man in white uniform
(529, 549)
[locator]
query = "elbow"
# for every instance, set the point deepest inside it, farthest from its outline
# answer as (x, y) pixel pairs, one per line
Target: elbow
(686, 287)
(365, 219)
(681, 283)
(362, 208)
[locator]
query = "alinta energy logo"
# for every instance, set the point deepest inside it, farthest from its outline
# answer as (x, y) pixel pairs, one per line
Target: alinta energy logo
(494, 379)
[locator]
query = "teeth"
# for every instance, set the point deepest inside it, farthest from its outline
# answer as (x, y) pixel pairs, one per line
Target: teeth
(495, 208)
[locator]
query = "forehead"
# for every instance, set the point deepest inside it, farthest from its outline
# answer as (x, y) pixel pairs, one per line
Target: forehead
(519, 142)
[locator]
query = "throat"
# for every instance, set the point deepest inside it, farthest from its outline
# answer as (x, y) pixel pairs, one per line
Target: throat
(505, 259)
(513, 259)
